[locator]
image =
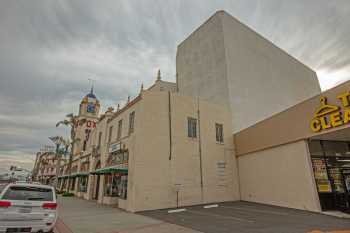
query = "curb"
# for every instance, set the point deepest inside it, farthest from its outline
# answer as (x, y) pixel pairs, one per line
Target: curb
(60, 227)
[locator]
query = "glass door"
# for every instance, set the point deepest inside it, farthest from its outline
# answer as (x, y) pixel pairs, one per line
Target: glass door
(331, 166)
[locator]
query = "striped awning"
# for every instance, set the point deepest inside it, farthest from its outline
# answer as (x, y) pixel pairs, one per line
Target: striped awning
(120, 168)
(80, 174)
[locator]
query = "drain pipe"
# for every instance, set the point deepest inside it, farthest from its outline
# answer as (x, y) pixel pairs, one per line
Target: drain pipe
(170, 132)
(200, 149)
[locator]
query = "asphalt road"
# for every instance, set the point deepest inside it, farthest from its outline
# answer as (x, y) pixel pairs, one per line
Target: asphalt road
(244, 217)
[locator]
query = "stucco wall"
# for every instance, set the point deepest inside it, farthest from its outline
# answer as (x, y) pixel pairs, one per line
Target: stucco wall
(156, 178)
(200, 63)
(279, 176)
(224, 61)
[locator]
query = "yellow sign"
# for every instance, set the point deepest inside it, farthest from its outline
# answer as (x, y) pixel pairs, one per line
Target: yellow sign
(324, 188)
(329, 116)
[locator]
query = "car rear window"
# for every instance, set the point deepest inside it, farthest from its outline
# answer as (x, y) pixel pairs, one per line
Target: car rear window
(2, 186)
(28, 194)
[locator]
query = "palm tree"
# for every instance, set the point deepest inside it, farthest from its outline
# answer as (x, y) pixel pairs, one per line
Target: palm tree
(58, 140)
(71, 121)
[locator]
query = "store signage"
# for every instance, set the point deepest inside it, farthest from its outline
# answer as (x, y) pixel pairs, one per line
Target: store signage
(114, 147)
(329, 116)
(90, 124)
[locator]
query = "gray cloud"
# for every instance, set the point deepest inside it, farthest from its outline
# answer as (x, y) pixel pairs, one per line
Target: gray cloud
(48, 50)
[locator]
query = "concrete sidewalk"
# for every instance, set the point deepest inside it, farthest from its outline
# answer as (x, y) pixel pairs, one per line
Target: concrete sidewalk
(81, 216)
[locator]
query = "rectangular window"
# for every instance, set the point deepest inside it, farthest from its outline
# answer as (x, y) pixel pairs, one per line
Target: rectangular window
(120, 126)
(192, 127)
(23, 193)
(219, 133)
(131, 122)
(99, 139)
(110, 134)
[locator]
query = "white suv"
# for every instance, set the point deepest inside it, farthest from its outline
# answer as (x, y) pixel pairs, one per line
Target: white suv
(27, 208)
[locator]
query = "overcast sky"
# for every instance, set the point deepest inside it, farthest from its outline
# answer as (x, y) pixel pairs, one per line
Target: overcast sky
(49, 50)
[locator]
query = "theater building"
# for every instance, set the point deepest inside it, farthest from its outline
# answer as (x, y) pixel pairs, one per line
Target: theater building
(243, 121)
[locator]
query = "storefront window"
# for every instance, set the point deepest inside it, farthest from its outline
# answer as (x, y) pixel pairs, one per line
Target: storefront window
(116, 185)
(64, 185)
(321, 176)
(83, 182)
(72, 187)
(331, 166)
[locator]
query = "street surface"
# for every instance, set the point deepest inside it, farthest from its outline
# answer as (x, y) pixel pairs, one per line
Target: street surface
(81, 216)
(244, 217)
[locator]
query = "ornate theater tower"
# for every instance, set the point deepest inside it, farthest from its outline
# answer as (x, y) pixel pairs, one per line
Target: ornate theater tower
(88, 116)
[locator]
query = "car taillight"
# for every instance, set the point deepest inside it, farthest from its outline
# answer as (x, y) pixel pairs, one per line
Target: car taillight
(51, 206)
(5, 204)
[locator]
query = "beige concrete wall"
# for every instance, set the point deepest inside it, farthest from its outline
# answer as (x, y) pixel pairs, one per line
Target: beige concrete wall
(156, 178)
(201, 63)
(149, 165)
(262, 78)
(279, 176)
(224, 61)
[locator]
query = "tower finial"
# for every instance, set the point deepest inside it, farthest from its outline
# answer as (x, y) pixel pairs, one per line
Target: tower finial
(118, 107)
(92, 85)
(128, 98)
(158, 76)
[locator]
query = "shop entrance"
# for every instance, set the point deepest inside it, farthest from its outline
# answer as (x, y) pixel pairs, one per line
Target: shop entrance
(331, 166)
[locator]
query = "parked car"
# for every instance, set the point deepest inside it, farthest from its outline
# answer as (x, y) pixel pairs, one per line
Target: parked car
(27, 207)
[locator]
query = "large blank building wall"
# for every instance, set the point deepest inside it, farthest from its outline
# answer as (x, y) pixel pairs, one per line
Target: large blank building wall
(279, 176)
(200, 63)
(156, 178)
(224, 61)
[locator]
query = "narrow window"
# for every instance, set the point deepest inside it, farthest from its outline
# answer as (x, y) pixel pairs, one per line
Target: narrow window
(131, 122)
(99, 139)
(110, 134)
(219, 133)
(192, 127)
(120, 125)
(84, 145)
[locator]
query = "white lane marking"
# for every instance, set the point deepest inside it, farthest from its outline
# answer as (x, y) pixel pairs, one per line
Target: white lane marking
(176, 211)
(257, 211)
(210, 206)
(220, 216)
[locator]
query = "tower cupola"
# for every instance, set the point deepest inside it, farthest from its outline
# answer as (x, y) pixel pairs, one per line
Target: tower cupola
(89, 106)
